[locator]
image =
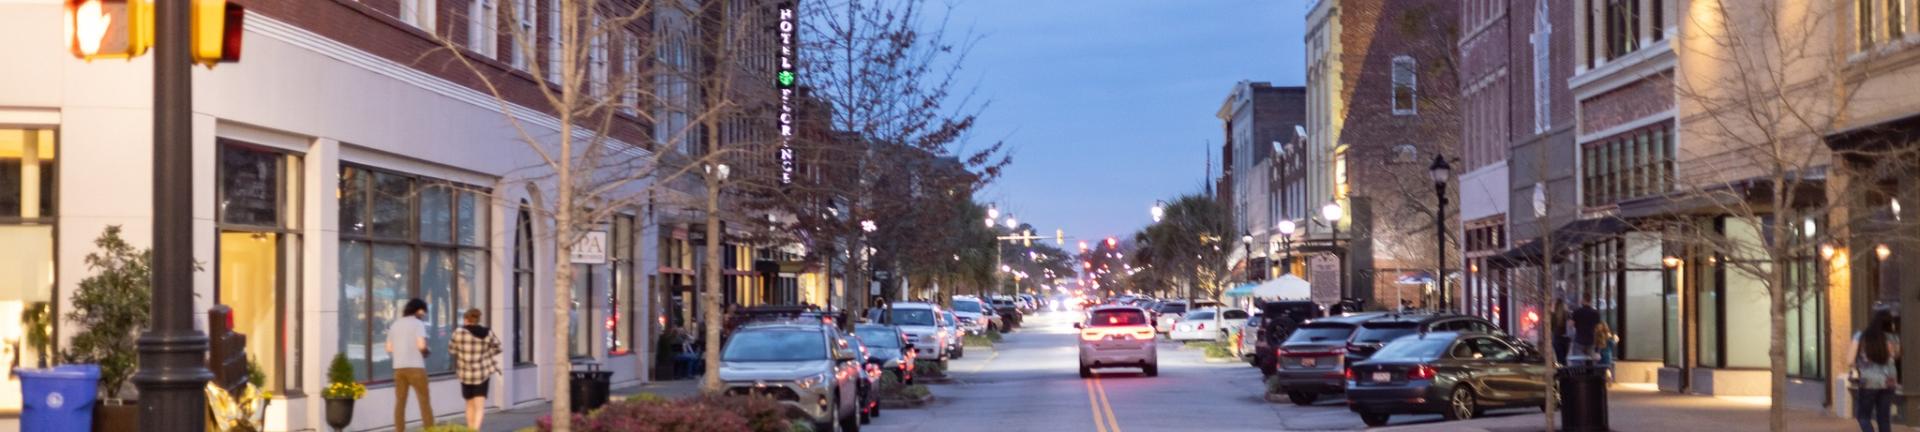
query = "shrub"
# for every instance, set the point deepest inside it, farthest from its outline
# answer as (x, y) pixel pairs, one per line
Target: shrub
(763, 414)
(994, 336)
(1217, 350)
(979, 341)
(930, 368)
(340, 382)
(111, 308)
(655, 416)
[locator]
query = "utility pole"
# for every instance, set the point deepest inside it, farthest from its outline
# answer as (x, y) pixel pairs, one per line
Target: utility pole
(173, 375)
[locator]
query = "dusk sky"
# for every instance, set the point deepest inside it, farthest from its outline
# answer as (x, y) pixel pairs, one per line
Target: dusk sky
(1109, 105)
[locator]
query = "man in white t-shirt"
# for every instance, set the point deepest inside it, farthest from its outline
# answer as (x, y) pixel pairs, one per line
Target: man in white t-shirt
(409, 333)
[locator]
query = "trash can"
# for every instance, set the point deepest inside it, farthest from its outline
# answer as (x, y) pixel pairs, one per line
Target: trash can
(1583, 395)
(58, 399)
(589, 386)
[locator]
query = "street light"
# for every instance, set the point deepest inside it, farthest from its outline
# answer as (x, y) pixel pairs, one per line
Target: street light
(1246, 241)
(1286, 244)
(1012, 223)
(1440, 171)
(993, 212)
(1332, 213)
(1159, 210)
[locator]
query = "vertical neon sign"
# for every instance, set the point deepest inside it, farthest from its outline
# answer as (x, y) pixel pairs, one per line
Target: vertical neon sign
(784, 78)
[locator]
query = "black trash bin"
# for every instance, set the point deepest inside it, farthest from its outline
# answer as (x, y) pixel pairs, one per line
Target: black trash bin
(589, 386)
(1583, 395)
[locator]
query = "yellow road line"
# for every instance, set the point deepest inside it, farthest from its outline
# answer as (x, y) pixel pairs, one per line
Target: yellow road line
(1093, 402)
(1113, 423)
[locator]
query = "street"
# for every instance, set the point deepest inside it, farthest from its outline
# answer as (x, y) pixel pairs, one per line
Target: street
(1028, 383)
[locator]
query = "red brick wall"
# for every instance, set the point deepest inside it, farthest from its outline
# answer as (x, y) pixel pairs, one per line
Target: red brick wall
(372, 26)
(1374, 33)
(1640, 99)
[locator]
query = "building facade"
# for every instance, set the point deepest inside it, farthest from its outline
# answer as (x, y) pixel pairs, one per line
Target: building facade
(343, 168)
(1257, 120)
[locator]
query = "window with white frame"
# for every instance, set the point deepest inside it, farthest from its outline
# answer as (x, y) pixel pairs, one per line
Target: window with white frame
(1542, 68)
(597, 59)
(524, 16)
(483, 27)
(629, 87)
(553, 40)
(418, 13)
(1405, 86)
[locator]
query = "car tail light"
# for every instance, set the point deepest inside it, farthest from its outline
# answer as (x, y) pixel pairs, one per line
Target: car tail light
(1421, 372)
(1143, 333)
(1203, 326)
(1349, 374)
(1090, 335)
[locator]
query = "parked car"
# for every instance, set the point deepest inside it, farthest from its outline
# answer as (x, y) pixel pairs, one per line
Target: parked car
(1206, 324)
(1117, 336)
(1456, 374)
(923, 325)
(867, 377)
(1270, 332)
(972, 314)
(1166, 314)
(1010, 315)
(887, 347)
(1378, 331)
(1246, 339)
(1311, 361)
(801, 364)
(956, 335)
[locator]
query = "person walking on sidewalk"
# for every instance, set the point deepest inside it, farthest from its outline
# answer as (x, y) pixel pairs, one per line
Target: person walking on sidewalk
(474, 350)
(407, 344)
(1604, 343)
(1872, 374)
(1585, 320)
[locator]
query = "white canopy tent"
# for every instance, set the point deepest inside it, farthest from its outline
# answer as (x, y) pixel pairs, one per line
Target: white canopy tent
(1285, 287)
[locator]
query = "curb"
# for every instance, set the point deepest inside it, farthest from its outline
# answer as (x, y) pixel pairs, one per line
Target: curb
(906, 403)
(1217, 360)
(933, 380)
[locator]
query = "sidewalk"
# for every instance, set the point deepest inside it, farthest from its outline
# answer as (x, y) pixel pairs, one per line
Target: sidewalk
(1642, 408)
(524, 417)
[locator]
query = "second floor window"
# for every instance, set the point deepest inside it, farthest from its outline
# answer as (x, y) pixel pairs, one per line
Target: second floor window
(419, 13)
(1631, 165)
(483, 27)
(1406, 84)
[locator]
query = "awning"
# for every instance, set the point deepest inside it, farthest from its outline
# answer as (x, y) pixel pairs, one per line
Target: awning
(1414, 278)
(1285, 287)
(1568, 237)
(1241, 291)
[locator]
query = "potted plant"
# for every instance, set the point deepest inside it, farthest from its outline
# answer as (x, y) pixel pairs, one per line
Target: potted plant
(111, 306)
(341, 391)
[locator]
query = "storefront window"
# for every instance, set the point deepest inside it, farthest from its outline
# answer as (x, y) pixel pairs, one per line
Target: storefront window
(620, 326)
(580, 314)
(27, 210)
(1806, 306)
(259, 254)
(410, 252)
(1706, 304)
(523, 328)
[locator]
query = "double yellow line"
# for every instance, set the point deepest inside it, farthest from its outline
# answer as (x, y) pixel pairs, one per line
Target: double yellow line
(1103, 419)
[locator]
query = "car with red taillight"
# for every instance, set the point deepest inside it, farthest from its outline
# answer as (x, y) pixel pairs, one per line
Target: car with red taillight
(1309, 363)
(1117, 336)
(1378, 331)
(1456, 374)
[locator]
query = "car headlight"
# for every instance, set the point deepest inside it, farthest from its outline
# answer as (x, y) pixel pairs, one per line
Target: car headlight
(809, 382)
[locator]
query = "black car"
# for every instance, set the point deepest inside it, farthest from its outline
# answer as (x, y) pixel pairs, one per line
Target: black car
(1456, 374)
(1009, 313)
(1312, 361)
(888, 350)
(1378, 331)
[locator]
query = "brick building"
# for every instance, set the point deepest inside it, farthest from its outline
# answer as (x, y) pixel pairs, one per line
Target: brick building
(1382, 100)
(349, 163)
(1257, 119)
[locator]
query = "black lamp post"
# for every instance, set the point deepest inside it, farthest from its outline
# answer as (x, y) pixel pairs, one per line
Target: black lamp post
(173, 375)
(1246, 242)
(1440, 171)
(1332, 212)
(1286, 228)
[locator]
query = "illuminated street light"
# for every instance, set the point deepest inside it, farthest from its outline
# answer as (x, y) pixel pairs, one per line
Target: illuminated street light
(868, 226)
(993, 212)
(1159, 210)
(1286, 227)
(1332, 212)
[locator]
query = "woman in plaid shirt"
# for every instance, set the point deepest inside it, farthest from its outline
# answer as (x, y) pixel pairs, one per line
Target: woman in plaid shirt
(474, 349)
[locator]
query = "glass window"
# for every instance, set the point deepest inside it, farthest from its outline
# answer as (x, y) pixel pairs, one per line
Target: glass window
(775, 346)
(579, 332)
(355, 191)
(1415, 349)
(27, 180)
(409, 252)
(1321, 333)
(259, 254)
(622, 295)
(1383, 332)
(1116, 317)
(1405, 86)
(1490, 349)
(523, 285)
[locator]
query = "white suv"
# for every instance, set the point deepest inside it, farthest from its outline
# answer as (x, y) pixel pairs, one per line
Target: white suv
(924, 326)
(1117, 336)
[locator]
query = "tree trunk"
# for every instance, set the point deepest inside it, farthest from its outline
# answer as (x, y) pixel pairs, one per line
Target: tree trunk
(1778, 252)
(1547, 303)
(710, 384)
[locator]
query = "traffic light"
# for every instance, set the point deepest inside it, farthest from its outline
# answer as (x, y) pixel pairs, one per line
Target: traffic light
(216, 31)
(1111, 242)
(108, 29)
(1028, 239)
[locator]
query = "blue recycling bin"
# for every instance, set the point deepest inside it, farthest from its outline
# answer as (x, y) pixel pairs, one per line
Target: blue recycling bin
(58, 399)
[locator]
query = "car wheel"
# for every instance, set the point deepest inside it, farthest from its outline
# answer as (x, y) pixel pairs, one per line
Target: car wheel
(1461, 406)
(875, 412)
(1302, 398)
(1374, 419)
(850, 423)
(960, 351)
(1151, 369)
(862, 413)
(1086, 372)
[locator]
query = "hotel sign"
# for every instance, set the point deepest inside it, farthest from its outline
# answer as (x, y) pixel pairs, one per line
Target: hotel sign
(784, 77)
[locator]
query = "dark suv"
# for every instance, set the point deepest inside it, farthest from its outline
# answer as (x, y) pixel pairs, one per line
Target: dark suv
(1312, 361)
(1376, 332)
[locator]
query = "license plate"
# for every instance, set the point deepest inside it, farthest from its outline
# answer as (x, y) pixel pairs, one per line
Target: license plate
(1308, 362)
(1382, 376)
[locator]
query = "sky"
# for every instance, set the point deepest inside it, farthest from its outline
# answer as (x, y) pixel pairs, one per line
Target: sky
(1108, 105)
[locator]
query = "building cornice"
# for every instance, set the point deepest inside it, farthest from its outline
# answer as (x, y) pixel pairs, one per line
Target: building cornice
(1639, 65)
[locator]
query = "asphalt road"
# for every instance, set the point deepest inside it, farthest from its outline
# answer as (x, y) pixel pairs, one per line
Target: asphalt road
(1030, 382)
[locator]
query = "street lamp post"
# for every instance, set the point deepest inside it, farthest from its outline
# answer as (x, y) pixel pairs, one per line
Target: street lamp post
(1286, 245)
(1440, 171)
(1246, 239)
(1332, 213)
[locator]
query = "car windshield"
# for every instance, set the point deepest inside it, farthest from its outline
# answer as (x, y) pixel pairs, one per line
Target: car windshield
(1320, 333)
(966, 306)
(879, 337)
(1199, 315)
(947, 318)
(775, 346)
(1233, 314)
(912, 317)
(1115, 318)
(1383, 332)
(1416, 349)
(1173, 308)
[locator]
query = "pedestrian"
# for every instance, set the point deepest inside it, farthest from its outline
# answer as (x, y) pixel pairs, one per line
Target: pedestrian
(1586, 319)
(1605, 342)
(1558, 325)
(1871, 372)
(407, 345)
(474, 349)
